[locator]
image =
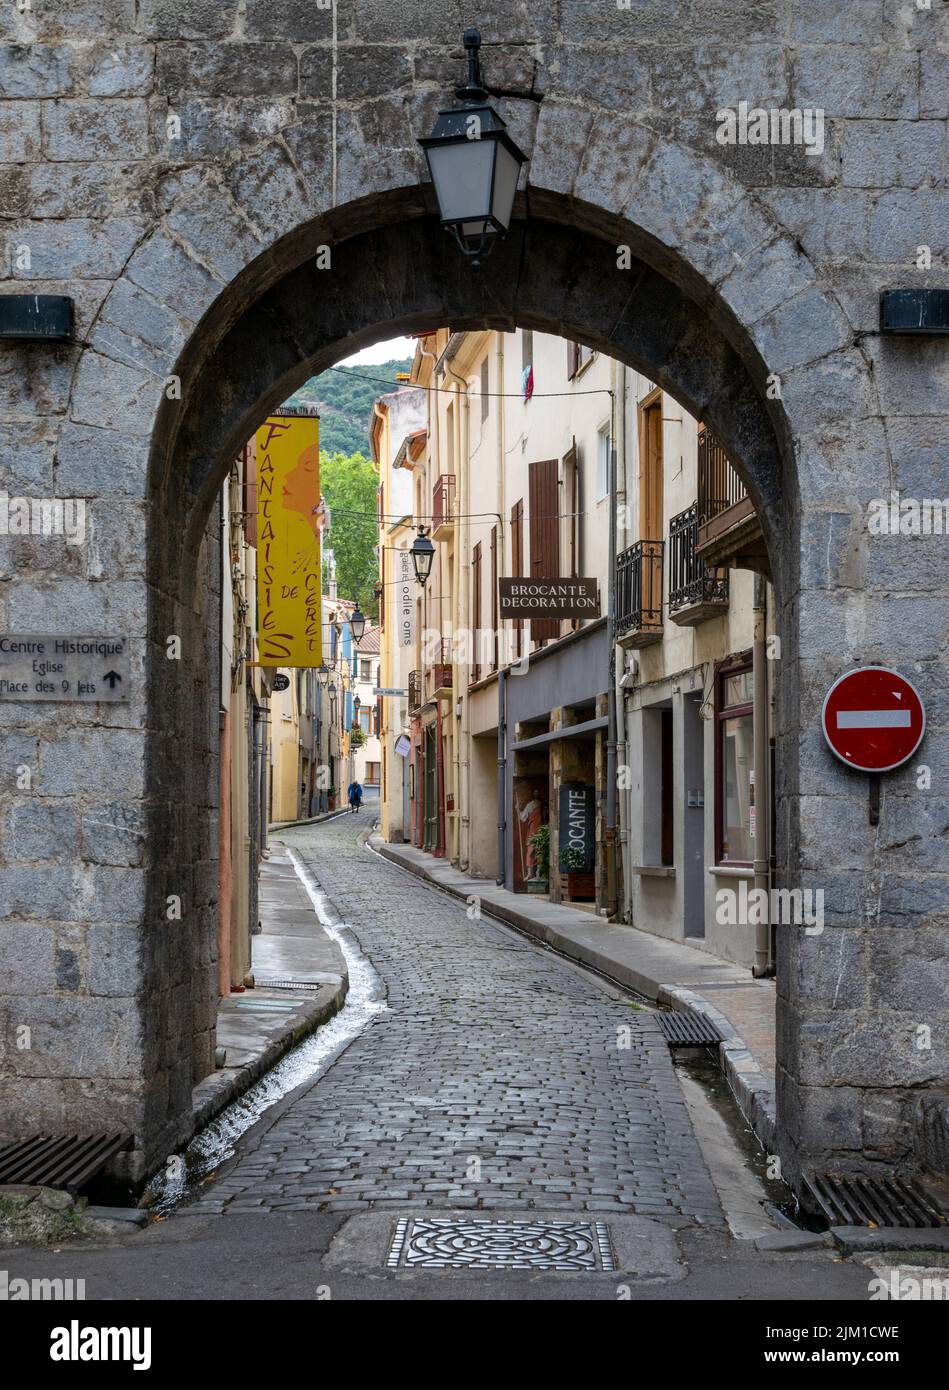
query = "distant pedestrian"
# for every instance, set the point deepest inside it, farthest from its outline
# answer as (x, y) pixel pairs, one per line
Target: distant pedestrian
(355, 796)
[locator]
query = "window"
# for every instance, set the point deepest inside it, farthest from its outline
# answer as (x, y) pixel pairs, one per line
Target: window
(365, 670)
(365, 715)
(666, 783)
(734, 763)
(578, 355)
(602, 462)
(650, 467)
(485, 387)
(372, 774)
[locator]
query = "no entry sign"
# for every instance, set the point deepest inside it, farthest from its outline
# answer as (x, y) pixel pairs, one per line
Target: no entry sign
(873, 719)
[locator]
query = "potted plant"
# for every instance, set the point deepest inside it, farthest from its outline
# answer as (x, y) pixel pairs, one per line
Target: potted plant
(577, 878)
(539, 845)
(331, 798)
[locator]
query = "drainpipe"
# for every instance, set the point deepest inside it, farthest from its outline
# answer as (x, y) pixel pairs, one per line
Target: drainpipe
(620, 384)
(502, 775)
(763, 965)
(611, 684)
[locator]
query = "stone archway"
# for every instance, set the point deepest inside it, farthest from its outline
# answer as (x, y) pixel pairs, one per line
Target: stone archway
(558, 273)
(717, 296)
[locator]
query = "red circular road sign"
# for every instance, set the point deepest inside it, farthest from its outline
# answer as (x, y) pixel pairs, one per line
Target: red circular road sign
(873, 719)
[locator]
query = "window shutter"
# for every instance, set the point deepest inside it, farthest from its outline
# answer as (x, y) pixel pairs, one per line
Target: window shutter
(476, 608)
(573, 360)
(544, 536)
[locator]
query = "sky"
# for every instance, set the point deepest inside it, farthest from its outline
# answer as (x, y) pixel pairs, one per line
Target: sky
(393, 349)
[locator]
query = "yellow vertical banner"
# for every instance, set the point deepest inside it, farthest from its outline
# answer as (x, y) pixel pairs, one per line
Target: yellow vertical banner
(289, 578)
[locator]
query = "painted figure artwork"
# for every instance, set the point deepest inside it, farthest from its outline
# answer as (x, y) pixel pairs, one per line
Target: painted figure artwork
(530, 813)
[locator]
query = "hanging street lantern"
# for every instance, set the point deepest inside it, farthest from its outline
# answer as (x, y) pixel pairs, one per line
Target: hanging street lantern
(422, 553)
(474, 164)
(357, 624)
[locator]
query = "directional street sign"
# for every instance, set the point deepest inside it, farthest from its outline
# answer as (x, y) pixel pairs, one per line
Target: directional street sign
(387, 691)
(873, 719)
(54, 666)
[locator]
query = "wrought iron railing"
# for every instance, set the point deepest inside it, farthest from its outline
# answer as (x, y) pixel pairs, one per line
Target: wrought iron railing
(440, 670)
(719, 485)
(639, 588)
(415, 690)
(443, 500)
(691, 580)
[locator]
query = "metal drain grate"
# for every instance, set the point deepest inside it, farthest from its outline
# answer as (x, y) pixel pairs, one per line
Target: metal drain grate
(289, 984)
(68, 1161)
(848, 1199)
(688, 1029)
(443, 1242)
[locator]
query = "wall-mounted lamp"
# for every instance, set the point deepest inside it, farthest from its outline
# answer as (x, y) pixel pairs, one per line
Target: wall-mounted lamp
(474, 164)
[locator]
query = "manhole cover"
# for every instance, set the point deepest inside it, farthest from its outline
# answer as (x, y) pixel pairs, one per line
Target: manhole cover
(441, 1242)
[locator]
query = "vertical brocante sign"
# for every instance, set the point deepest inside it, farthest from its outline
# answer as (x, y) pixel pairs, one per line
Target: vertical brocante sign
(289, 580)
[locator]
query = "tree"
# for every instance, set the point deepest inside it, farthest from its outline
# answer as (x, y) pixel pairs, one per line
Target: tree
(349, 483)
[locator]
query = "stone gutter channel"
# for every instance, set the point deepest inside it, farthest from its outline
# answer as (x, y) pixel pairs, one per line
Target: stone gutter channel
(276, 1040)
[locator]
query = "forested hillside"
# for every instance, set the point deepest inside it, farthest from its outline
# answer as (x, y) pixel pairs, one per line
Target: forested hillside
(344, 396)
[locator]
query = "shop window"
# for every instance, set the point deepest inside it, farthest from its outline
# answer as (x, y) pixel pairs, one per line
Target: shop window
(734, 763)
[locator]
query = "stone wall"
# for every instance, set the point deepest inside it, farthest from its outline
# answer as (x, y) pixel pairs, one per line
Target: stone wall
(174, 167)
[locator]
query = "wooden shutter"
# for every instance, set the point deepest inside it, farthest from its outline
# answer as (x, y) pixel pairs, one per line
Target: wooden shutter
(573, 360)
(544, 536)
(476, 608)
(517, 558)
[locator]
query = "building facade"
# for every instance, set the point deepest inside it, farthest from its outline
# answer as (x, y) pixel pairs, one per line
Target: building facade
(509, 771)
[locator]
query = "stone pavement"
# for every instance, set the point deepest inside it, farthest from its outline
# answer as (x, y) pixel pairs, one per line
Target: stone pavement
(257, 1027)
(668, 971)
(499, 1078)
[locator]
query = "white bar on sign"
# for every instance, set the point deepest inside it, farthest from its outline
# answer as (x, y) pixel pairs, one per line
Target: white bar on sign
(873, 719)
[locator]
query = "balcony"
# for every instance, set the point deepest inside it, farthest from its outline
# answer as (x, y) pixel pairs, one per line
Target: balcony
(728, 526)
(696, 590)
(439, 674)
(443, 508)
(415, 691)
(639, 594)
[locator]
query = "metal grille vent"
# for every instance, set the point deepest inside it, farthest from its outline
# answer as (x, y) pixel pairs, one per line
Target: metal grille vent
(688, 1029)
(67, 1161)
(856, 1200)
(289, 984)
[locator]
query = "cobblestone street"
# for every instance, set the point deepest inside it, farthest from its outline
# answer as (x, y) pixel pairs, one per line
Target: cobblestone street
(500, 1077)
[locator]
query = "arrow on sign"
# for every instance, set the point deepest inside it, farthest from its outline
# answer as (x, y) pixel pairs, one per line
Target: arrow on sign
(112, 677)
